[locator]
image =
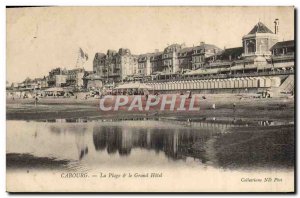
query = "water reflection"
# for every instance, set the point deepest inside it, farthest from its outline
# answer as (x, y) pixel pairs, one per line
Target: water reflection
(228, 121)
(81, 145)
(222, 142)
(176, 143)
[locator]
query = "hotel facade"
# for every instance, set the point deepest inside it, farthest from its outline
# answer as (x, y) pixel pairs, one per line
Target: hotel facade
(260, 51)
(261, 62)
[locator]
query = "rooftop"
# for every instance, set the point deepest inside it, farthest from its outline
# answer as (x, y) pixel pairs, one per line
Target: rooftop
(231, 52)
(260, 28)
(290, 43)
(206, 46)
(99, 55)
(186, 49)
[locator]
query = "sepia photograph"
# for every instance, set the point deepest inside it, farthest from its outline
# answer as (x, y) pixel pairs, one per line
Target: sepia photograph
(150, 99)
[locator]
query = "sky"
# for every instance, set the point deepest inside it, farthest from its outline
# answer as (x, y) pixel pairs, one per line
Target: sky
(40, 39)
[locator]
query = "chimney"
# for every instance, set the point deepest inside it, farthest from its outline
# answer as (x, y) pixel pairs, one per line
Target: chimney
(202, 43)
(276, 23)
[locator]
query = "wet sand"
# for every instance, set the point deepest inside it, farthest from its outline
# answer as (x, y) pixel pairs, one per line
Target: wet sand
(245, 107)
(28, 161)
(256, 147)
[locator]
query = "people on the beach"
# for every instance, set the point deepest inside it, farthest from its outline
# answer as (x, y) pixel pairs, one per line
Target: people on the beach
(214, 106)
(146, 93)
(188, 122)
(190, 94)
(234, 106)
(156, 95)
(35, 100)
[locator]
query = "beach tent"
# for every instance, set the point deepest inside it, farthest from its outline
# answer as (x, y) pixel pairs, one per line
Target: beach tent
(54, 90)
(133, 85)
(144, 86)
(202, 71)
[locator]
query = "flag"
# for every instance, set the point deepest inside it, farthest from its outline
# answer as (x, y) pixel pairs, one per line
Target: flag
(81, 53)
(81, 58)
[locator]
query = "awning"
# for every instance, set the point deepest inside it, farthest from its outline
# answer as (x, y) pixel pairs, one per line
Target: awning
(133, 86)
(202, 71)
(54, 89)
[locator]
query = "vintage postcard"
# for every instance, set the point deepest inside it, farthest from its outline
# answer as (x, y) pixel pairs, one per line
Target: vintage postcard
(150, 99)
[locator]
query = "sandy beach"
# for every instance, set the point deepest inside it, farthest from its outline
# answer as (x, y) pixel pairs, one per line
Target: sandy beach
(245, 106)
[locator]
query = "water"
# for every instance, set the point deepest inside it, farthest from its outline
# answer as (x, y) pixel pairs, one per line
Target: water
(94, 145)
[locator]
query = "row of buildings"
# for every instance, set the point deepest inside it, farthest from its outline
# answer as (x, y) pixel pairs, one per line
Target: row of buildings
(260, 47)
(58, 77)
(176, 58)
(260, 52)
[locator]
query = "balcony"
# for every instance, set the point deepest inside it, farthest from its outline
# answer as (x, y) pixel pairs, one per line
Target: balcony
(256, 54)
(217, 64)
(283, 57)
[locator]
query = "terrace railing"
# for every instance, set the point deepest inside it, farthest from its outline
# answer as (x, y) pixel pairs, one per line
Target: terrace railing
(224, 76)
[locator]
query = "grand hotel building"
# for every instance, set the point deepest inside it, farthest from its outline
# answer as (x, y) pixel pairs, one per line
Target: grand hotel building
(260, 52)
(262, 62)
(123, 65)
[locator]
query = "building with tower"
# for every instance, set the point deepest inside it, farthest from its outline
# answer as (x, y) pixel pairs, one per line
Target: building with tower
(259, 41)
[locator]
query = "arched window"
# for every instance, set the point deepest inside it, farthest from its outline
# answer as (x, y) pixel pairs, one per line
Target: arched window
(251, 46)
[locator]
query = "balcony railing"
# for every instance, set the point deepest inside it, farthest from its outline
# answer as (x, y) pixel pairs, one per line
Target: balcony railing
(256, 53)
(224, 76)
(283, 57)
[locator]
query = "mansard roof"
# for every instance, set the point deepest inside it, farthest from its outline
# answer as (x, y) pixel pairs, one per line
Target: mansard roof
(145, 55)
(290, 43)
(186, 49)
(174, 47)
(99, 55)
(124, 51)
(234, 53)
(206, 47)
